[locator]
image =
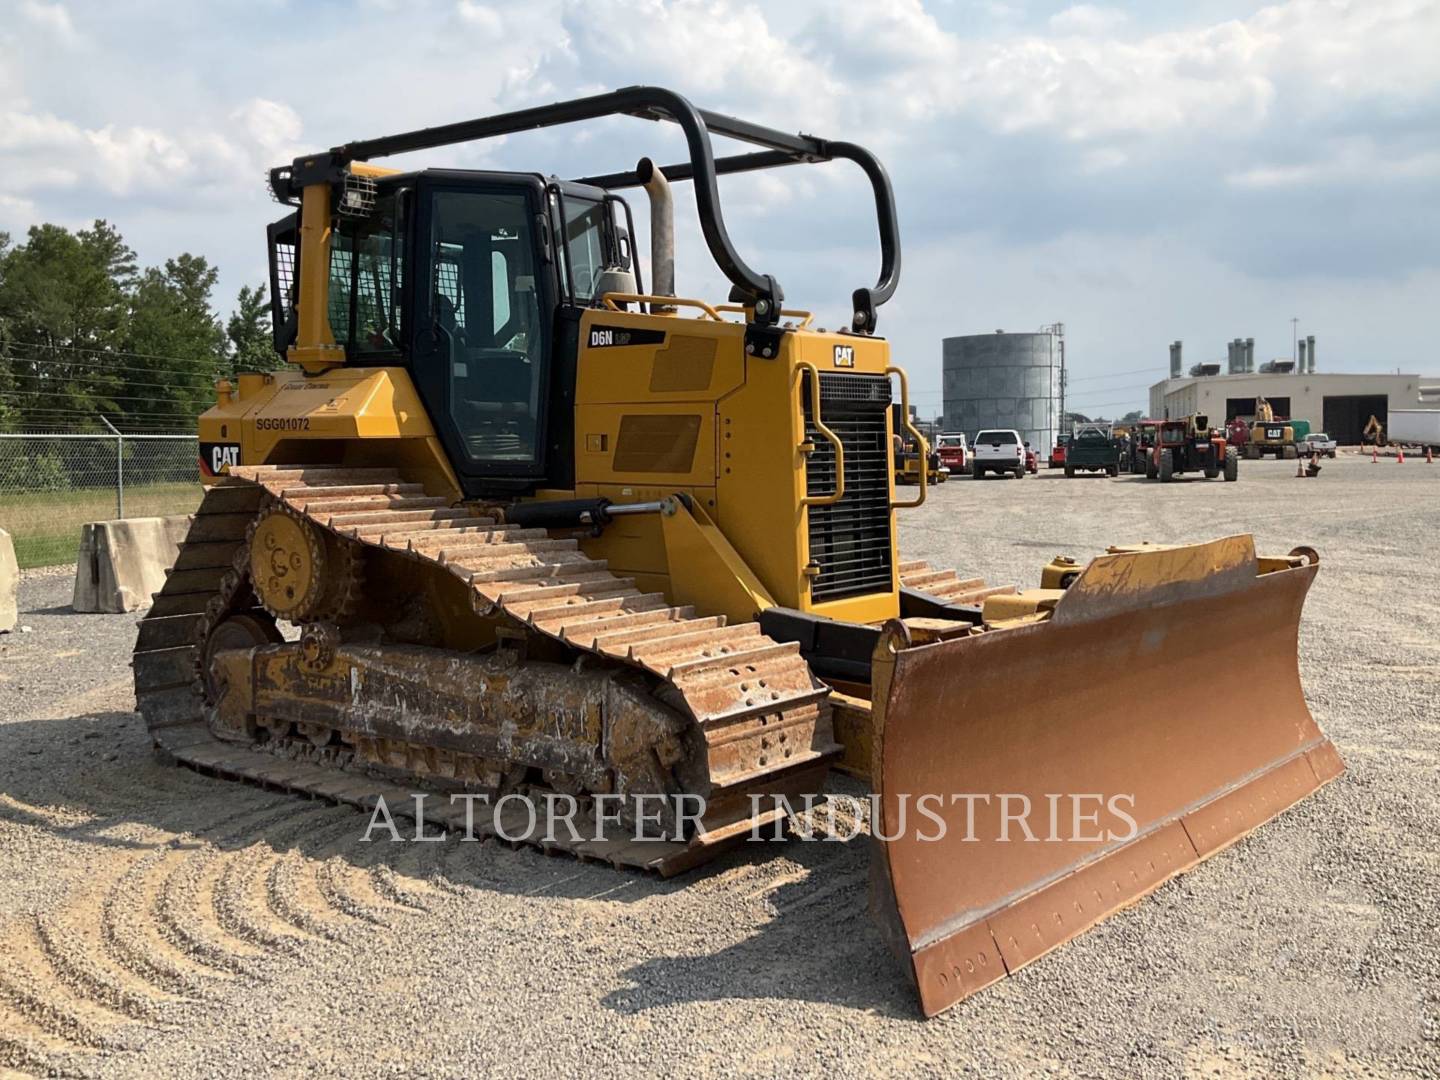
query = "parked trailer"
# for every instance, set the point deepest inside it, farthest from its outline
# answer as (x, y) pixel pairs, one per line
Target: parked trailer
(1415, 427)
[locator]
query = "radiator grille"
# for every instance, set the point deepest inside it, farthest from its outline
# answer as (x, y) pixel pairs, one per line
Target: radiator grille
(850, 541)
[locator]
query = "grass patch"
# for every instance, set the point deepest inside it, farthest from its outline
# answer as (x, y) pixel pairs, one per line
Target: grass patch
(45, 525)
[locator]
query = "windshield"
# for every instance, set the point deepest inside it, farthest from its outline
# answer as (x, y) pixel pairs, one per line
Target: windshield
(947, 441)
(997, 438)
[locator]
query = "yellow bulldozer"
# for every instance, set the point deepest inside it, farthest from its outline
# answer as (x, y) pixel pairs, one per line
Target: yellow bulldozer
(1269, 436)
(513, 528)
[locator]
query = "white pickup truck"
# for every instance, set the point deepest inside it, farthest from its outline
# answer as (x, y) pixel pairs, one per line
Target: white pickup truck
(1317, 442)
(998, 451)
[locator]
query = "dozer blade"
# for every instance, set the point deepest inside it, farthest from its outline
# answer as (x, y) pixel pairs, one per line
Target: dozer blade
(1153, 719)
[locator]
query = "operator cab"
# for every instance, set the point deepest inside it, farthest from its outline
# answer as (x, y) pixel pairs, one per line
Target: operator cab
(1174, 432)
(457, 275)
(477, 281)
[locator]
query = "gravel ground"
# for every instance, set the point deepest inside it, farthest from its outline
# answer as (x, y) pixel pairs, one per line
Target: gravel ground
(155, 922)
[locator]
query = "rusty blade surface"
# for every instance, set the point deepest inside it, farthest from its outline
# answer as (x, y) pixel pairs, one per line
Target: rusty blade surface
(1133, 703)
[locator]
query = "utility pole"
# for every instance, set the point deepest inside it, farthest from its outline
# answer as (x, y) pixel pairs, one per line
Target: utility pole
(1061, 426)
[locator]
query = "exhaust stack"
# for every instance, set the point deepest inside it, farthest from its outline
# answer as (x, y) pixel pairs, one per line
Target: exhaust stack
(1175, 361)
(1310, 363)
(662, 229)
(1249, 364)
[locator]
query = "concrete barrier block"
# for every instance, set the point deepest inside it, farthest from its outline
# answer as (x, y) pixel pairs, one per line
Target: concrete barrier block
(9, 584)
(121, 564)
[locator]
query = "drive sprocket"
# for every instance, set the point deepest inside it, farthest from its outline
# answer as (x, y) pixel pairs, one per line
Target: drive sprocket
(287, 564)
(299, 572)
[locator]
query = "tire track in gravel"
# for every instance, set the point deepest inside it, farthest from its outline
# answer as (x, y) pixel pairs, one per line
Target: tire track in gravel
(293, 886)
(169, 917)
(131, 919)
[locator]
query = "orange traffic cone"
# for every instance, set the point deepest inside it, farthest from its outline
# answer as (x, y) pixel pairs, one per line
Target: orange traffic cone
(1375, 454)
(1300, 467)
(1400, 454)
(1429, 456)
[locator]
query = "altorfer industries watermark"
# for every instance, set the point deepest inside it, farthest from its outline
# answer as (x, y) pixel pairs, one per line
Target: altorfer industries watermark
(554, 818)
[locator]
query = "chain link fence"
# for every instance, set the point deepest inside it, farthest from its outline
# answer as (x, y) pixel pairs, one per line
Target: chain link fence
(50, 485)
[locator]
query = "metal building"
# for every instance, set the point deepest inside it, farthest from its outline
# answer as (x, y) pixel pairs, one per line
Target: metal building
(1337, 403)
(1004, 380)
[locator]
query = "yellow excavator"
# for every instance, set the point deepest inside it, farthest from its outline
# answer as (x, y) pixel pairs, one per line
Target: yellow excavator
(515, 530)
(1374, 433)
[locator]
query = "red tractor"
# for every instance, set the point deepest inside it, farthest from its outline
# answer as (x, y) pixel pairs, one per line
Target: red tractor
(1057, 452)
(1189, 445)
(1142, 446)
(1237, 434)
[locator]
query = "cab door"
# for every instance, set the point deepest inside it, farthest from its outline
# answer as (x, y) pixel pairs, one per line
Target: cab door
(484, 316)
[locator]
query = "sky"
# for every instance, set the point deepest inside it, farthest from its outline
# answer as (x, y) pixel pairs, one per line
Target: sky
(1140, 172)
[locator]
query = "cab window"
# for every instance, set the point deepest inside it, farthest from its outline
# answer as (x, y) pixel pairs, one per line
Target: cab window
(366, 259)
(584, 245)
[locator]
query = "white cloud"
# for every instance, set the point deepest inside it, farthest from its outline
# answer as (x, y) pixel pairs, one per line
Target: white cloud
(54, 19)
(16, 214)
(46, 151)
(482, 17)
(1340, 161)
(1353, 50)
(720, 52)
(1087, 20)
(126, 159)
(1103, 159)
(1085, 80)
(272, 128)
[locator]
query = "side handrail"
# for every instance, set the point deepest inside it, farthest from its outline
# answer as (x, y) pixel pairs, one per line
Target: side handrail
(808, 447)
(806, 317)
(920, 442)
(611, 299)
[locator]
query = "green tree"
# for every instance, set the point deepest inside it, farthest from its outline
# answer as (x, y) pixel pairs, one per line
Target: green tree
(1132, 416)
(110, 251)
(85, 333)
(63, 308)
(249, 342)
(175, 344)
